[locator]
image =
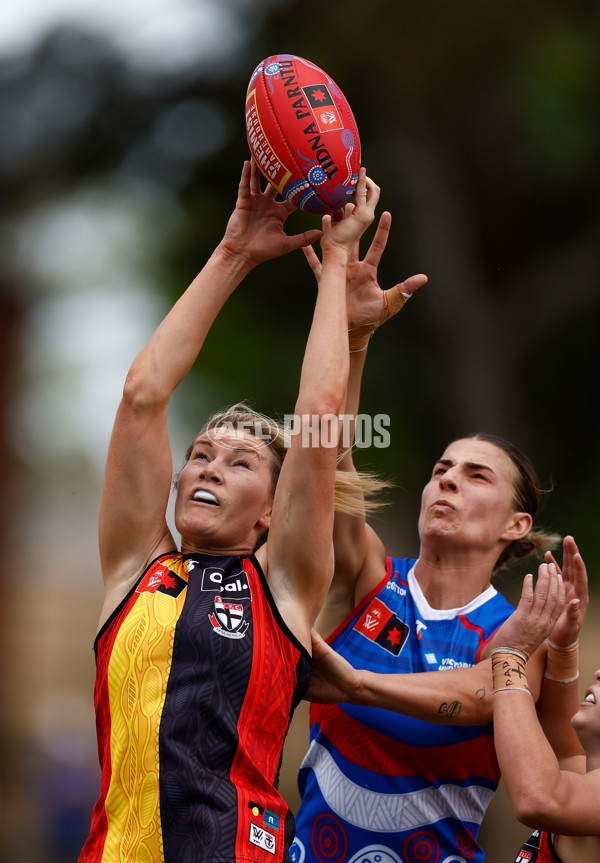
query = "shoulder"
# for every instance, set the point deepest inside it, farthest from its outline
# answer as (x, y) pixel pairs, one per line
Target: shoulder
(374, 568)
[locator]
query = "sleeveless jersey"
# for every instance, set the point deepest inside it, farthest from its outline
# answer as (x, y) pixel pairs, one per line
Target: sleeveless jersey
(377, 785)
(197, 677)
(539, 848)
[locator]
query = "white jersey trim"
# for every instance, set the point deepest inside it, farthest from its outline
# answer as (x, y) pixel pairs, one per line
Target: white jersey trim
(375, 811)
(426, 612)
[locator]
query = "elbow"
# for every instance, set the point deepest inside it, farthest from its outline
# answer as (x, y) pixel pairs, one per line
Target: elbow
(532, 806)
(141, 394)
(322, 402)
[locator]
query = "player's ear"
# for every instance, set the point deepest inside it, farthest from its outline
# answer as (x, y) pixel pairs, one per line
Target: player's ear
(519, 526)
(264, 522)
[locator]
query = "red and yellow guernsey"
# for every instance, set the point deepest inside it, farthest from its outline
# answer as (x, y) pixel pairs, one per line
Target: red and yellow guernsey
(197, 678)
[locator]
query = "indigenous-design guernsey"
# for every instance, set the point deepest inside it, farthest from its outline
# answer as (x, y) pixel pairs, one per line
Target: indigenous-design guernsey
(539, 848)
(197, 677)
(380, 786)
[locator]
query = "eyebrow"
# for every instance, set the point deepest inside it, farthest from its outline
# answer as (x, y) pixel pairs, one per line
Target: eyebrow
(247, 449)
(207, 441)
(472, 465)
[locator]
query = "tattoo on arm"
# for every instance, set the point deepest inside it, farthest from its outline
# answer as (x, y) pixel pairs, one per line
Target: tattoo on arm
(481, 693)
(450, 710)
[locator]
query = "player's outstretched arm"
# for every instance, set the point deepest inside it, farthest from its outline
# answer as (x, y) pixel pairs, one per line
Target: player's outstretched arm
(359, 553)
(299, 549)
(138, 474)
(462, 696)
(560, 696)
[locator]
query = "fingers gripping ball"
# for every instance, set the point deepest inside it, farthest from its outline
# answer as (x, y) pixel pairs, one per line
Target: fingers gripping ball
(302, 133)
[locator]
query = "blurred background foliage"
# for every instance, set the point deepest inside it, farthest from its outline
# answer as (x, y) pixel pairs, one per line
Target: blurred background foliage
(120, 154)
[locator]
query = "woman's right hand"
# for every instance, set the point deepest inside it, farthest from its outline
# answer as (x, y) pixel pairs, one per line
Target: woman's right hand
(568, 626)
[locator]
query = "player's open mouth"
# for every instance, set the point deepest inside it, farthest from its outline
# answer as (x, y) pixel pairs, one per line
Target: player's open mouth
(205, 497)
(590, 697)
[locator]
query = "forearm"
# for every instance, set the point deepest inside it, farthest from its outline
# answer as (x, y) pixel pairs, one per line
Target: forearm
(559, 700)
(352, 406)
(528, 765)
(325, 366)
(461, 696)
(349, 530)
(174, 346)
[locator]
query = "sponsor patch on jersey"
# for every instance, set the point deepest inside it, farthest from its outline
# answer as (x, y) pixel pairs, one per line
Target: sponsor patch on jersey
(161, 579)
(380, 625)
(448, 663)
(396, 585)
(262, 838)
(420, 626)
(232, 585)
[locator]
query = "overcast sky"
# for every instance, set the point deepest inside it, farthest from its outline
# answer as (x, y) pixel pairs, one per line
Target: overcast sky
(93, 303)
(156, 31)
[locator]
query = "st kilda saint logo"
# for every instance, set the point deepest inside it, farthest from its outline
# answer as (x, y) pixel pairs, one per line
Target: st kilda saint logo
(228, 619)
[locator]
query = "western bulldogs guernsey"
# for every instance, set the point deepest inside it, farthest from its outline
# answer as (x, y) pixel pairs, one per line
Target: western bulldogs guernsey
(197, 678)
(380, 786)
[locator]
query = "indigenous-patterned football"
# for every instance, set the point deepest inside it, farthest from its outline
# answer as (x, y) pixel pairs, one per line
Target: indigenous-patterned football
(302, 133)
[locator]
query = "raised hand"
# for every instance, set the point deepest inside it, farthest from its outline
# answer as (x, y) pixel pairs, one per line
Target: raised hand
(255, 229)
(568, 626)
(368, 304)
(537, 612)
(344, 228)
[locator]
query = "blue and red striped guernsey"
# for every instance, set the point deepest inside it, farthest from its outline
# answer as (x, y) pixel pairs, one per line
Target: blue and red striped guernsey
(377, 785)
(197, 678)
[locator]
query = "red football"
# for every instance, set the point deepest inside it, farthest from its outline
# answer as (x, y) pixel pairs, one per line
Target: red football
(302, 133)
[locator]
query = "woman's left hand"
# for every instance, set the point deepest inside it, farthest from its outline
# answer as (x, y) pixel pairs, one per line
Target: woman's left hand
(345, 227)
(536, 614)
(568, 626)
(366, 300)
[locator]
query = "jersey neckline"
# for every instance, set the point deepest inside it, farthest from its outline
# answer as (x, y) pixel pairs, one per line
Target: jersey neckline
(427, 612)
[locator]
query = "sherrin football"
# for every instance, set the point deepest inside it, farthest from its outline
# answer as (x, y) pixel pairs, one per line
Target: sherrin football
(302, 133)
